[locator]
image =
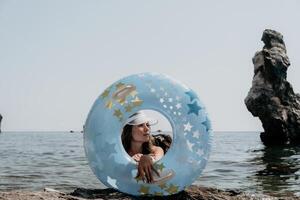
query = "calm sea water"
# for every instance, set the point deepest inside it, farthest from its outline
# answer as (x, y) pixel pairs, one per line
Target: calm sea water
(35, 160)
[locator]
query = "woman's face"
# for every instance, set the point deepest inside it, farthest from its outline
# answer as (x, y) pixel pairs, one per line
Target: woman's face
(141, 132)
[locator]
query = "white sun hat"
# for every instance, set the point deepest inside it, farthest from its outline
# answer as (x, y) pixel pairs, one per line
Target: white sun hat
(139, 118)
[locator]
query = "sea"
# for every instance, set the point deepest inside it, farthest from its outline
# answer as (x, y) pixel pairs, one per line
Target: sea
(238, 161)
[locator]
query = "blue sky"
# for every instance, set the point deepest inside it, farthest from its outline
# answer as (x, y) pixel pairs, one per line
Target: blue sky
(56, 57)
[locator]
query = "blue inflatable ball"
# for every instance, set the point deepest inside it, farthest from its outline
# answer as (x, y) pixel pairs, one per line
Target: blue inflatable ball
(189, 151)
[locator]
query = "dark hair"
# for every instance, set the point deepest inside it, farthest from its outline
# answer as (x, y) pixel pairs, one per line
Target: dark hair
(162, 140)
(127, 137)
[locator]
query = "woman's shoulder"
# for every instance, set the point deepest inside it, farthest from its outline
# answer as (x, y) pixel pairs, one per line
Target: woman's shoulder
(157, 149)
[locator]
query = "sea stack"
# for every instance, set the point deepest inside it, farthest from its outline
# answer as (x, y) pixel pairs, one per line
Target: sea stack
(0, 122)
(271, 97)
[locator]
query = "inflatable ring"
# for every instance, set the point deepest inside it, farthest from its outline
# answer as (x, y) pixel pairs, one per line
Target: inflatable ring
(189, 151)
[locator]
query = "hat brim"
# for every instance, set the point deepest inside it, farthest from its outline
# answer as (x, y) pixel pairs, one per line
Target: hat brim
(145, 120)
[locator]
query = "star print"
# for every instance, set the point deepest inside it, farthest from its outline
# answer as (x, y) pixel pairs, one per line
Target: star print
(207, 124)
(192, 95)
(200, 152)
(160, 166)
(144, 189)
(120, 85)
(162, 186)
(166, 94)
(112, 182)
(172, 189)
(128, 108)
(190, 145)
(133, 93)
(158, 193)
(139, 178)
(161, 100)
(170, 100)
(165, 106)
(152, 90)
(105, 93)
(137, 101)
(192, 161)
(196, 134)
(171, 107)
(194, 108)
(187, 127)
(178, 105)
(118, 113)
(121, 101)
(109, 104)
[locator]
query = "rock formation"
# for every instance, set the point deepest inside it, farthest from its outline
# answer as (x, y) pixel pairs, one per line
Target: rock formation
(0, 122)
(271, 97)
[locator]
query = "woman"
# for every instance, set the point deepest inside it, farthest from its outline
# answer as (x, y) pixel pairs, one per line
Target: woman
(136, 140)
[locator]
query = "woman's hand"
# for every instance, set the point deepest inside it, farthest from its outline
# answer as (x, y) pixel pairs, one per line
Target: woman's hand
(137, 157)
(145, 168)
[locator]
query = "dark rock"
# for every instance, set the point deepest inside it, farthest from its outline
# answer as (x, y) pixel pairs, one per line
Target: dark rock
(190, 193)
(98, 194)
(271, 97)
(0, 122)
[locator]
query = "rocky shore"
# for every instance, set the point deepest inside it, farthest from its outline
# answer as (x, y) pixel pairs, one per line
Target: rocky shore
(191, 193)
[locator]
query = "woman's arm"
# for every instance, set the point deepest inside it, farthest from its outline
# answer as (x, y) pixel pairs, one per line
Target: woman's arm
(145, 164)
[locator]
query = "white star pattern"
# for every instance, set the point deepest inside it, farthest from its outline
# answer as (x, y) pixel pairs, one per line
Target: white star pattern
(168, 102)
(192, 161)
(172, 103)
(187, 126)
(190, 145)
(200, 152)
(112, 182)
(196, 134)
(178, 105)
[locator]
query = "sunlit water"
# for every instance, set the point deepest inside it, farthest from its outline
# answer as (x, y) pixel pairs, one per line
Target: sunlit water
(35, 160)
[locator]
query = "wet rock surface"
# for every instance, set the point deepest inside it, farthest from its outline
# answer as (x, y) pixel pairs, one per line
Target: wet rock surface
(192, 193)
(271, 97)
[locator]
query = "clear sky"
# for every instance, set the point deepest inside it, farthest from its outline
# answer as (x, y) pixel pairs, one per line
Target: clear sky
(56, 57)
